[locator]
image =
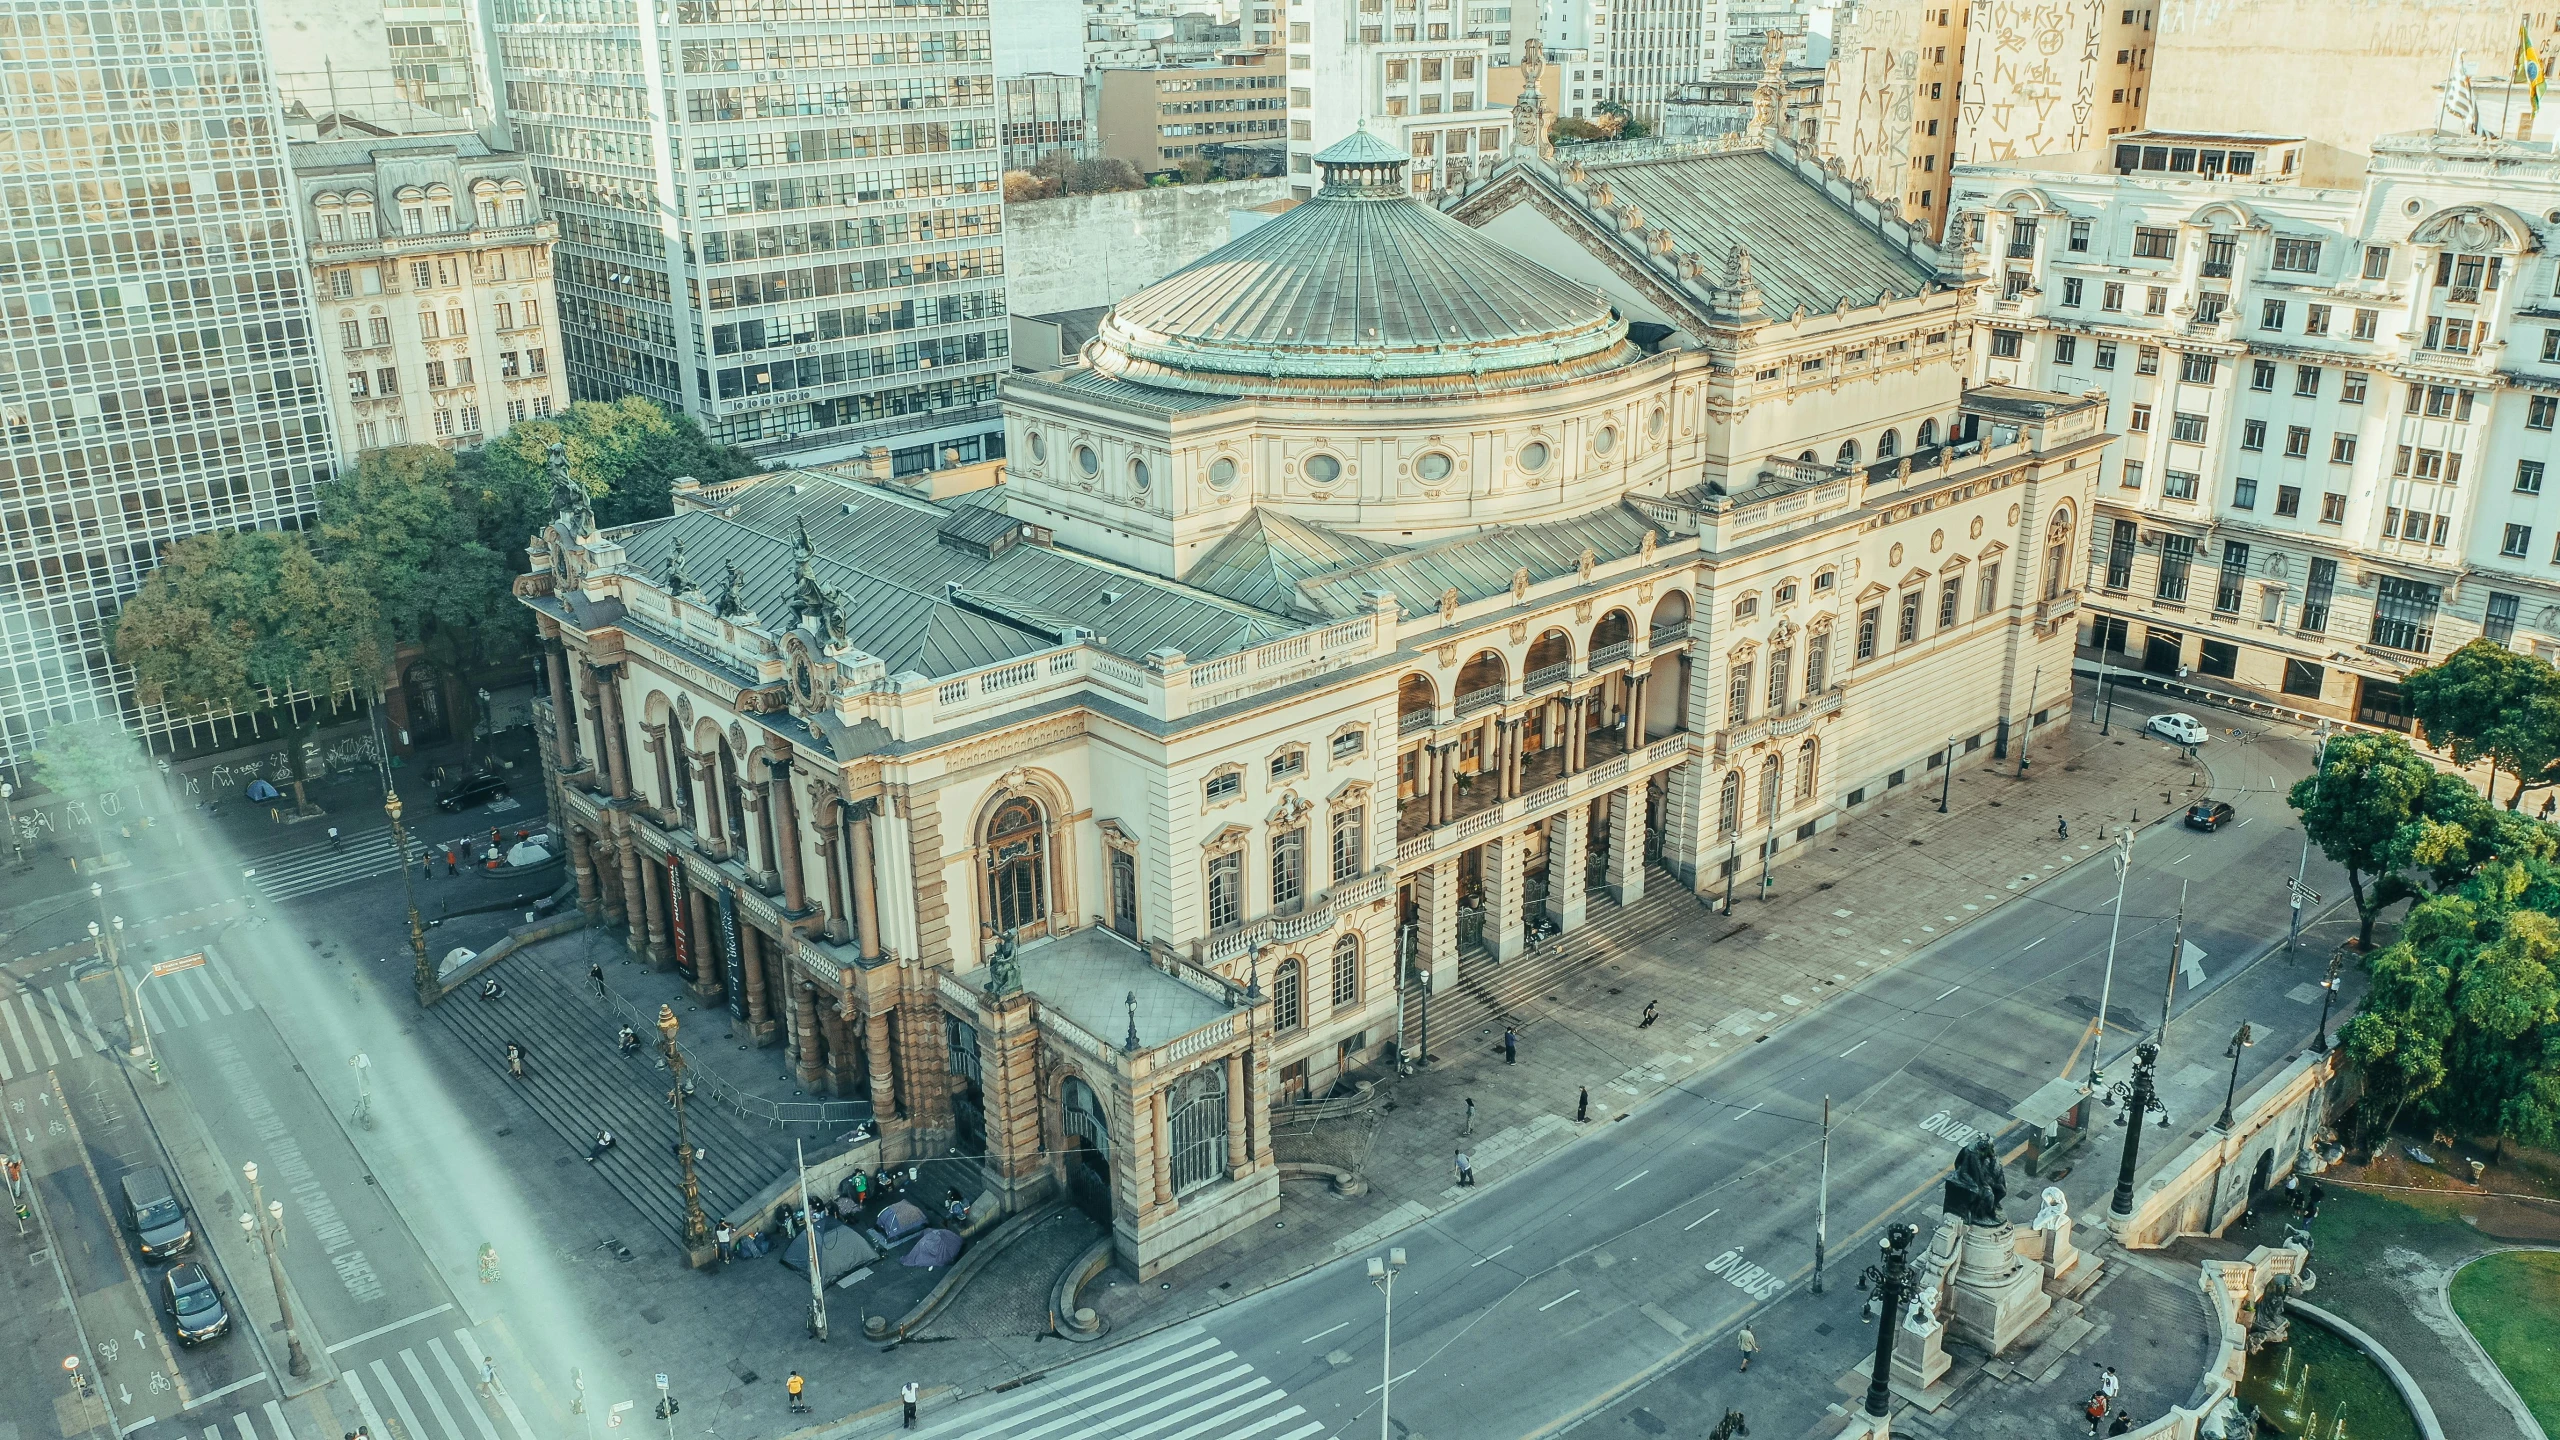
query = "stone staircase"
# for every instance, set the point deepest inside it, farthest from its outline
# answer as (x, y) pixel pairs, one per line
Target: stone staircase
(578, 1083)
(1490, 992)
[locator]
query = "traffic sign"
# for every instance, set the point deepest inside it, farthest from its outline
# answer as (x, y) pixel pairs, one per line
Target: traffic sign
(662, 1381)
(183, 962)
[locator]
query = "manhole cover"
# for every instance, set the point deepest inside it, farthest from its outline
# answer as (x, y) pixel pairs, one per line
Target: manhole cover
(1646, 1421)
(1822, 1329)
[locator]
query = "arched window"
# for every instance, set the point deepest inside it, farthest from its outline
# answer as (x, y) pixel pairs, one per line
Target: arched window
(1771, 778)
(1807, 758)
(1888, 444)
(1729, 805)
(1809, 458)
(1817, 659)
(1848, 453)
(1017, 866)
(1286, 1013)
(2057, 552)
(1928, 434)
(1346, 974)
(1782, 660)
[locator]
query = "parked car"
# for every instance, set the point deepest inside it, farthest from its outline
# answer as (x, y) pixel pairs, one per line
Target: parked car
(194, 1306)
(152, 1212)
(472, 790)
(2184, 729)
(2208, 815)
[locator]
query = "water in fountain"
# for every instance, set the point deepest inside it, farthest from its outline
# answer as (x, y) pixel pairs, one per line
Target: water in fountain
(2354, 1395)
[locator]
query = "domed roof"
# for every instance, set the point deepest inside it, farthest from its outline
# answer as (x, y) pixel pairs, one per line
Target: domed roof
(1360, 289)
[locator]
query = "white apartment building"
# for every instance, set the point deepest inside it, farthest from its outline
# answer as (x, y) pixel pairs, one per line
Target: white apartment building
(2334, 381)
(430, 261)
(1401, 69)
(1657, 45)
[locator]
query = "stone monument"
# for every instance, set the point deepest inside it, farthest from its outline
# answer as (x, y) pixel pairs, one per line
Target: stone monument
(1995, 1296)
(1920, 1357)
(2049, 1239)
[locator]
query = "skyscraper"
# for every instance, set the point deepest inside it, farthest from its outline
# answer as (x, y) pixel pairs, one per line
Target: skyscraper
(158, 374)
(782, 217)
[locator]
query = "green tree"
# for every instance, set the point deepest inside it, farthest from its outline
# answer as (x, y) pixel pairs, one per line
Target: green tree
(83, 760)
(1572, 130)
(1619, 122)
(402, 520)
(253, 622)
(2368, 788)
(627, 455)
(2485, 701)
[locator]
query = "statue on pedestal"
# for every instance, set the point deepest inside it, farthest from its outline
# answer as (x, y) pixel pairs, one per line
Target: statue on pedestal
(1004, 973)
(1975, 1190)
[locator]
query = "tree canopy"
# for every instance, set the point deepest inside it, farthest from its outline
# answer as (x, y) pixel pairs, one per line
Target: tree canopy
(2485, 701)
(402, 520)
(2369, 788)
(243, 620)
(83, 759)
(627, 454)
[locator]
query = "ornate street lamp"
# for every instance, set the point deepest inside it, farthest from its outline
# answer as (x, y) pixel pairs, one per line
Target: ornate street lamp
(2139, 1102)
(272, 1211)
(426, 970)
(697, 1229)
(1891, 1282)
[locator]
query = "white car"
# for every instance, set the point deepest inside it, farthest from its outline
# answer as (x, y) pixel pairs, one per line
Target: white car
(2184, 729)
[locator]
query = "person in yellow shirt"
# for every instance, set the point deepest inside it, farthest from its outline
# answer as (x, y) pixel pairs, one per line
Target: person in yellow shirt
(794, 1385)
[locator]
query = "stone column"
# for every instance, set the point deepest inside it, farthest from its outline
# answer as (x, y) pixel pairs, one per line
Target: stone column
(751, 948)
(635, 912)
(1635, 711)
(866, 890)
(1568, 855)
(1573, 735)
(1516, 754)
(711, 831)
(609, 720)
(582, 863)
(1163, 1129)
(1504, 932)
(709, 973)
(805, 1029)
(1448, 782)
(878, 1056)
(758, 855)
(786, 835)
(564, 719)
(653, 890)
(585, 676)
(826, 826)
(1435, 936)
(1016, 1167)
(1626, 844)
(1237, 1151)
(839, 1037)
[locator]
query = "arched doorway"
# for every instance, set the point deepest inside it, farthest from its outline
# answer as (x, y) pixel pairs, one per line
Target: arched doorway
(1088, 1135)
(422, 698)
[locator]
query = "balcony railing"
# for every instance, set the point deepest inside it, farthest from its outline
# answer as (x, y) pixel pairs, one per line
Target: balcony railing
(1666, 631)
(1546, 675)
(1608, 655)
(1415, 720)
(1484, 698)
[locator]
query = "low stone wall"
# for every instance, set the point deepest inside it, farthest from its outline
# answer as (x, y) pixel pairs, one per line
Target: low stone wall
(2208, 1184)
(448, 981)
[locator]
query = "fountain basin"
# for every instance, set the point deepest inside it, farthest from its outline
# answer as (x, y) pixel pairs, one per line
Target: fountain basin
(2344, 1381)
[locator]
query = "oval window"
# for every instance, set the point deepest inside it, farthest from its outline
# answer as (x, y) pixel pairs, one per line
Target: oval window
(1087, 461)
(1039, 446)
(1433, 467)
(1138, 474)
(1323, 469)
(1222, 473)
(1606, 440)
(1654, 423)
(1533, 456)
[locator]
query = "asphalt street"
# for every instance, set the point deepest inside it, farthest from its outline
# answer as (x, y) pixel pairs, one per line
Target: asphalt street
(1553, 1294)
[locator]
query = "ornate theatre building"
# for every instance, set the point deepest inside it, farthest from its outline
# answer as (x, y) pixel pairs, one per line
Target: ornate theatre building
(1390, 582)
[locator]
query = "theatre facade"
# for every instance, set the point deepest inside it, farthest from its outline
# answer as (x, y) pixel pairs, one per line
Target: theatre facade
(1393, 581)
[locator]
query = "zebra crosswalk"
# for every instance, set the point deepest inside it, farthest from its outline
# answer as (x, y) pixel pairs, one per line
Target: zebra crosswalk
(187, 997)
(43, 1025)
(395, 1387)
(1182, 1384)
(48, 1021)
(309, 869)
(242, 1426)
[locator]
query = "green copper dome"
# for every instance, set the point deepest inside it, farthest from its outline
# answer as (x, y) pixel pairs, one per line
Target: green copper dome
(1360, 290)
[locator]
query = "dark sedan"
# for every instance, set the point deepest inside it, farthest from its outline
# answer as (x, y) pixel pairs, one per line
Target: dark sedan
(472, 790)
(194, 1306)
(2208, 815)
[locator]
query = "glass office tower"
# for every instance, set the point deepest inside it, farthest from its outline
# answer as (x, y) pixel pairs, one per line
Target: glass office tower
(783, 215)
(158, 375)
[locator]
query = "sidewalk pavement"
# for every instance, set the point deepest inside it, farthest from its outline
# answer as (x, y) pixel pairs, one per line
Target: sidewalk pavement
(1772, 960)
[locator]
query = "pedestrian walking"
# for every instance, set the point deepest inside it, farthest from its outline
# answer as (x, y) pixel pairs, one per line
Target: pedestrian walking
(1469, 1128)
(2123, 1424)
(602, 1143)
(488, 1264)
(1510, 1046)
(907, 1397)
(724, 1238)
(515, 1060)
(488, 1375)
(1466, 1171)
(2108, 1384)
(793, 1387)
(2096, 1410)
(595, 972)
(2061, 828)
(1652, 1012)
(1750, 1344)
(449, 868)
(1582, 1106)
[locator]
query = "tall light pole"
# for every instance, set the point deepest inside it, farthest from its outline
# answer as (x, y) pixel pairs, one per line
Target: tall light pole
(273, 1212)
(1891, 1282)
(1382, 1273)
(2239, 1042)
(8, 795)
(1822, 1199)
(1947, 782)
(2140, 1102)
(2033, 685)
(697, 1230)
(2328, 992)
(2106, 987)
(426, 970)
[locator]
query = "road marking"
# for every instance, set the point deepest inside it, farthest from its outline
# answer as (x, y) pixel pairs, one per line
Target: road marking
(1374, 1389)
(1630, 1180)
(1852, 1050)
(1662, 1317)
(1310, 1340)
(1943, 994)
(378, 1333)
(35, 1019)
(427, 1387)
(364, 1403)
(1703, 1219)
(461, 1386)
(2244, 822)
(400, 1401)
(1505, 1250)
(275, 1417)
(138, 1424)
(88, 1022)
(2183, 859)
(249, 1431)
(225, 1390)
(1747, 1114)
(1550, 1305)
(2030, 945)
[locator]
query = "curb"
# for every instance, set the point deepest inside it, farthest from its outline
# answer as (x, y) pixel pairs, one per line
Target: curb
(1070, 1284)
(997, 1242)
(2401, 1380)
